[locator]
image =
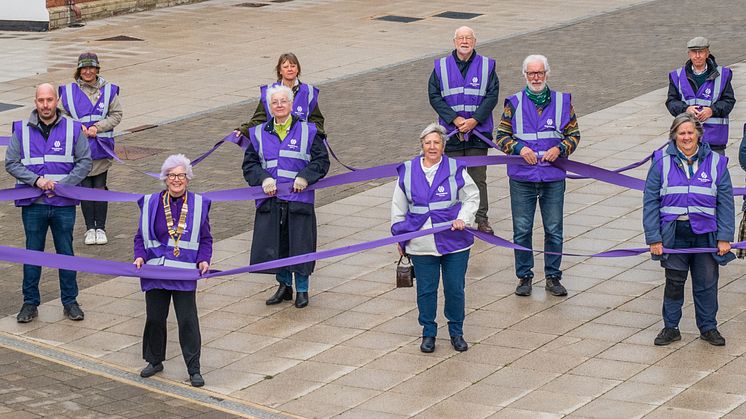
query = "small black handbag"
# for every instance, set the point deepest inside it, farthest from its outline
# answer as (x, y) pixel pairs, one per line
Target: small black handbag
(404, 273)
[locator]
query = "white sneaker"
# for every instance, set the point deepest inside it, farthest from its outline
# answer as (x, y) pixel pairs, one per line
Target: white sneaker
(90, 236)
(101, 237)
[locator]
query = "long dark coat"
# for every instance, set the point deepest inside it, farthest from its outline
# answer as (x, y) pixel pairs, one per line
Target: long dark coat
(268, 244)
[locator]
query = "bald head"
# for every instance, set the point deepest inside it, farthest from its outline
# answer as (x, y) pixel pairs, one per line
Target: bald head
(46, 102)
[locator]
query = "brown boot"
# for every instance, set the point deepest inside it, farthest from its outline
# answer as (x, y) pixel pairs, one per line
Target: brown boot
(484, 226)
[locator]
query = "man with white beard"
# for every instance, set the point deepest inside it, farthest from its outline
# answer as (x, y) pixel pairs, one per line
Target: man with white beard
(540, 125)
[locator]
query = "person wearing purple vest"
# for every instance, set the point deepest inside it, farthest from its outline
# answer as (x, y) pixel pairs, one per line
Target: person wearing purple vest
(285, 151)
(688, 203)
(434, 190)
(44, 150)
(94, 102)
(305, 96)
(703, 88)
(540, 125)
(174, 231)
(463, 90)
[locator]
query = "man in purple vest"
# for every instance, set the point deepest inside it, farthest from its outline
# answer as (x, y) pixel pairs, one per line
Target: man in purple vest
(702, 88)
(540, 125)
(45, 150)
(463, 91)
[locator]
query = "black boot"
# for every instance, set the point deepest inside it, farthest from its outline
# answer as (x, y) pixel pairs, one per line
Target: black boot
(301, 299)
(283, 292)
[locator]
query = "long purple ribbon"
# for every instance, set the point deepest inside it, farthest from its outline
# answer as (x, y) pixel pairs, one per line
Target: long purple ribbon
(4, 141)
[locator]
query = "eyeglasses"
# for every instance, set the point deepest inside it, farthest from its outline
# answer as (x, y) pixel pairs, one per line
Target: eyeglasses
(464, 38)
(174, 176)
(534, 74)
(279, 102)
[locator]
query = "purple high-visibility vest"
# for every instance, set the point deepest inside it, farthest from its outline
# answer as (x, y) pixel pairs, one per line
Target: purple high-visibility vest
(438, 202)
(695, 197)
(162, 254)
(80, 108)
(539, 133)
(52, 158)
(715, 129)
(304, 100)
(465, 94)
(284, 159)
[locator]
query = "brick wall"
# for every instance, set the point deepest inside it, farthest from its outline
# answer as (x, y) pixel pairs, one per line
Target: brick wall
(59, 12)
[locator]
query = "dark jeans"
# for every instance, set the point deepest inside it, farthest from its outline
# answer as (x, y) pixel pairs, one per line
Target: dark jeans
(478, 175)
(705, 275)
(94, 212)
(551, 198)
(37, 219)
(427, 270)
(154, 339)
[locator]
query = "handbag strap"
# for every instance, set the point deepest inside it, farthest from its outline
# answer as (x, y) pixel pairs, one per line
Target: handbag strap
(409, 260)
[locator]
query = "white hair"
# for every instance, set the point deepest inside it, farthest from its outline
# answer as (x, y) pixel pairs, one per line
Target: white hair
(173, 161)
(434, 128)
(455, 33)
(273, 90)
(533, 58)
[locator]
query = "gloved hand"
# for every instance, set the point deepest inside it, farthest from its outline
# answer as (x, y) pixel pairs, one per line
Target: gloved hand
(299, 184)
(269, 186)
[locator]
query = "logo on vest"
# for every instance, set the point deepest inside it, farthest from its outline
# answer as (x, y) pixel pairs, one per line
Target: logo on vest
(293, 143)
(101, 105)
(299, 109)
(549, 124)
(475, 81)
(703, 178)
(57, 146)
(441, 191)
(708, 92)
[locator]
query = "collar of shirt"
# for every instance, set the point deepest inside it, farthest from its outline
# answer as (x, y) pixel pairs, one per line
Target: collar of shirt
(430, 171)
(282, 129)
(688, 162)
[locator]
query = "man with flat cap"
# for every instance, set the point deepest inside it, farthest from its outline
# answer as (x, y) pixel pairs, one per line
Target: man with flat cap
(702, 87)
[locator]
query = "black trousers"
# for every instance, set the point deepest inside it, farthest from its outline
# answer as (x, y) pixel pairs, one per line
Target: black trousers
(94, 212)
(154, 338)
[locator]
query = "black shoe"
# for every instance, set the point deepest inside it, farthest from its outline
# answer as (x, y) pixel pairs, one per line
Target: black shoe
(428, 344)
(28, 312)
(554, 287)
(301, 299)
(524, 286)
(713, 337)
(73, 312)
(283, 292)
(151, 370)
(196, 380)
(459, 343)
(666, 336)
(484, 226)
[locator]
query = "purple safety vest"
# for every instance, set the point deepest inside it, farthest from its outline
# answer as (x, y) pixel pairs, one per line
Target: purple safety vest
(539, 133)
(465, 94)
(715, 129)
(80, 108)
(162, 254)
(438, 202)
(52, 158)
(304, 100)
(284, 159)
(695, 197)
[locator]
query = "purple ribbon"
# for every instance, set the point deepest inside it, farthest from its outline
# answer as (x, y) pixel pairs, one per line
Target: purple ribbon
(4, 141)
(239, 140)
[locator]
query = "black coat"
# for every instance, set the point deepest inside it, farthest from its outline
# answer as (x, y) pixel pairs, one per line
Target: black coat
(270, 241)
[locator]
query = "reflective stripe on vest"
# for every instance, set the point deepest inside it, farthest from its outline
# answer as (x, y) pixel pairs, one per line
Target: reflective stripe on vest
(300, 155)
(448, 91)
(520, 134)
(699, 190)
(26, 145)
(162, 261)
(703, 102)
(90, 118)
(310, 98)
(192, 244)
(438, 205)
(55, 178)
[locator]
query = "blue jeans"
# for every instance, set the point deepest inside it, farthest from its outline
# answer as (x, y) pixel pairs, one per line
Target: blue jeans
(37, 219)
(427, 271)
(286, 277)
(705, 275)
(551, 198)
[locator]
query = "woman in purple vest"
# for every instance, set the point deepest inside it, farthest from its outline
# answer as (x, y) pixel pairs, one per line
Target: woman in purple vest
(284, 156)
(305, 96)
(688, 203)
(433, 191)
(174, 231)
(94, 102)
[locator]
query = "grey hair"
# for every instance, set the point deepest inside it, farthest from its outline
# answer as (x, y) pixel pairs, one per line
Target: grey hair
(455, 33)
(437, 128)
(271, 91)
(173, 161)
(535, 57)
(683, 118)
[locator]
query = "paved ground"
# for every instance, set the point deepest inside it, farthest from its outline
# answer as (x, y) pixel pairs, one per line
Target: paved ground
(354, 349)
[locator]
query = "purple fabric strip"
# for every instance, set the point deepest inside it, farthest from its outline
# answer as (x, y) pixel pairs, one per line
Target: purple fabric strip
(239, 140)
(4, 141)
(627, 167)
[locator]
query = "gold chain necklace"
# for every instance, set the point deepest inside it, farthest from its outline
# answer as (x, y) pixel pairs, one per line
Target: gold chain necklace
(175, 233)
